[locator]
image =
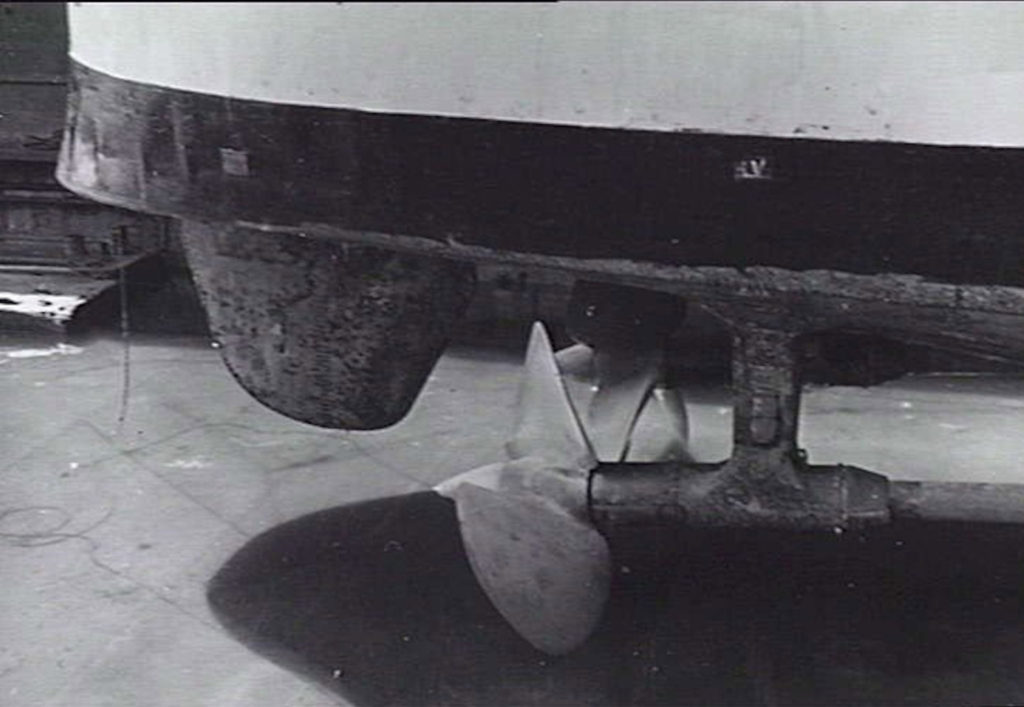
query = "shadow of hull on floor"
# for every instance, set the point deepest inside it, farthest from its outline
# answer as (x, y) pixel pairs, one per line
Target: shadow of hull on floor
(377, 602)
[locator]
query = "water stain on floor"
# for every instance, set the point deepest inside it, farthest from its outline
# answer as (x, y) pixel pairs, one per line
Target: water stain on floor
(376, 601)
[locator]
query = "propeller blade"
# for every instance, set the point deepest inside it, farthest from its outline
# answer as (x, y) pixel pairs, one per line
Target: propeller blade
(662, 431)
(661, 428)
(547, 572)
(546, 424)
(524, 522)
(576, 361)
(624, 383)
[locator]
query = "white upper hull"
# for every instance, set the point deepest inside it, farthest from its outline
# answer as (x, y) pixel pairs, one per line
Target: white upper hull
(947, 73)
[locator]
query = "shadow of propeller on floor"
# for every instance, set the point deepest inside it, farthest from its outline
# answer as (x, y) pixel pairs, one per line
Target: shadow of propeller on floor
(377, 602)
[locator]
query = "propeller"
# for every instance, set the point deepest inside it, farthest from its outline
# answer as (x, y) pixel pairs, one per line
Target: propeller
(524, 522)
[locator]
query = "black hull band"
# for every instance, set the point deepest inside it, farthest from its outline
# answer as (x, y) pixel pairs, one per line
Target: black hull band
(952, 214)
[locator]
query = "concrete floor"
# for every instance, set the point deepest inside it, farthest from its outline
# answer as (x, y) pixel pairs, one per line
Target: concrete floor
(110, 529)
(118, 510)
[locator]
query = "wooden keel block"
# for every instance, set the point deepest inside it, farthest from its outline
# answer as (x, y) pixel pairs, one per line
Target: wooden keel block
(333, 335)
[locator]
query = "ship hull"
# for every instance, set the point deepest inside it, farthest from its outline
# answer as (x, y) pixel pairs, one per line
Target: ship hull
(949, 213)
